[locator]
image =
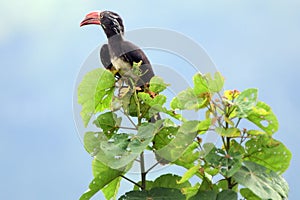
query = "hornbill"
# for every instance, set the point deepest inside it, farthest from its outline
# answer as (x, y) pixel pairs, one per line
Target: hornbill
(119, 55)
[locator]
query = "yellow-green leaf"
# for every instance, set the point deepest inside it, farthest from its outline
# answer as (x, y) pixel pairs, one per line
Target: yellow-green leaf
(229, 132)
(263, 117)
(189, 174)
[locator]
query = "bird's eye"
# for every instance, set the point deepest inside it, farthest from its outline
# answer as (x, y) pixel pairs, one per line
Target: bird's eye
(101, 16)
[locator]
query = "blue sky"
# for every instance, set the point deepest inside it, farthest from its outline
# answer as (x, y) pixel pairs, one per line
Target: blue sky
(42, 47)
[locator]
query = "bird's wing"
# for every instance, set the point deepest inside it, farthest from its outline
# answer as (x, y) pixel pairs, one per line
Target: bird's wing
(106, 61)
(105, 57)
(132, 53)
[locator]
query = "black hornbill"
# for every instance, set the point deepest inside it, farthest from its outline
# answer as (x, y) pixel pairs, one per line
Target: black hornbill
(119, 55)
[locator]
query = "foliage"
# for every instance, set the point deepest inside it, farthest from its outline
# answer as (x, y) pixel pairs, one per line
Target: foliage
(249, 162)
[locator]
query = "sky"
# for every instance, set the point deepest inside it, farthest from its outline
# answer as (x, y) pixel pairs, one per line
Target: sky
(42, 48)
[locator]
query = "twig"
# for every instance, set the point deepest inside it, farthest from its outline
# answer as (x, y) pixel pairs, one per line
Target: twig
(237, 123)
(143, 173)
(132, 122)
(152, 167)
(131, 181)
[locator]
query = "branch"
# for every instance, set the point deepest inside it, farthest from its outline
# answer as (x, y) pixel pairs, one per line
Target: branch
(132, 122)
(152, 166)
(131, 181)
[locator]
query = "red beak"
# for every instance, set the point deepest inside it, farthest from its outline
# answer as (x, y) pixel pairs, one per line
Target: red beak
(91, 18)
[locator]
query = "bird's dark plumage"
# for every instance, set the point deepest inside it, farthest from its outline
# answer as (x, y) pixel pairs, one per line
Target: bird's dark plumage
(105, 57)
(119, 55)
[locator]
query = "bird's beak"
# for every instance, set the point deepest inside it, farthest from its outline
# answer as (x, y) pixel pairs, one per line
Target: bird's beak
(91, 18)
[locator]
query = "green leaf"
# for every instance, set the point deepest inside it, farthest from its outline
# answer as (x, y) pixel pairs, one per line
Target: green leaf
(269, 153)
(95, 93)
(213, 155)
(189, 156)
(211, 171)
(189, 174)
(185, 136)
(173, 114)
(205, 195)
(92, 140)
(245, 102)
(264, 183)
(191, 191)
(170, 181)
(203, 126)
(154, 194)
(103, 176)
(263, 117)
(121, 149)
(164, 137)
(229, 132)
(157, 84)
(187, 100)
(228, 163)
(216, 84)
(248, 194)
(222, 184)
(149, 106)
(200, 85)
(108, 122)
(110, 191)
(227, 194)
(256, 132)
(148, 185)
(136, 68)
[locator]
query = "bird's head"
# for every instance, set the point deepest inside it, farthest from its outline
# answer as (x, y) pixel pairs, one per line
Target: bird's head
(111, 22)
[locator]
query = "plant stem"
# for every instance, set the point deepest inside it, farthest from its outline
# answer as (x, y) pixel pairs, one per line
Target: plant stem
(152, 167)
(131, 181)
(143, 173)
(129, 118)
(237, 123)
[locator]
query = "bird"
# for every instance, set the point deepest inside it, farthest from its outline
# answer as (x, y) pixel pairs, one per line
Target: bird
(119, 55)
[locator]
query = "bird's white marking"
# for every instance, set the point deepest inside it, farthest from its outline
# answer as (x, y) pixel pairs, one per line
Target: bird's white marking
(120, 64)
